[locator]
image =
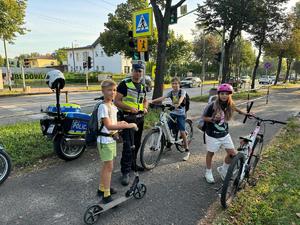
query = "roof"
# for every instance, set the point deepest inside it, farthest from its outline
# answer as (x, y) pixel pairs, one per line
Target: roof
(86, 47)
(41, 57)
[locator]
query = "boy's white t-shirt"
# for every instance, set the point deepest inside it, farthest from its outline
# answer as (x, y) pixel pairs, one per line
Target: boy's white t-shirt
(105, 112)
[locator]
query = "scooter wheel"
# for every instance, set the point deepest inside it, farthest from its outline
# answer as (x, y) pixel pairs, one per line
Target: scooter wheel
(140, 191)
(92, 214)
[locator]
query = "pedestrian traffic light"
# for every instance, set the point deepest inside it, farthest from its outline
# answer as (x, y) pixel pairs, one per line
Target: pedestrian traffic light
(173, 16)
(90, 62)
(146, 56)
(136, 55)
(218, 56)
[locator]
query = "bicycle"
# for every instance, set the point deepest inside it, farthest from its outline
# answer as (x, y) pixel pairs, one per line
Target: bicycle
(5, 165)
(162, 135)
(245, 161)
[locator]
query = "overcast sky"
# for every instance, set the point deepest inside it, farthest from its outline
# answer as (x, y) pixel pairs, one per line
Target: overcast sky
(57, 23)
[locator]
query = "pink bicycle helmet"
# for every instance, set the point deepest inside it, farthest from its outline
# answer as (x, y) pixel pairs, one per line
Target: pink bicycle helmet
(225, 88)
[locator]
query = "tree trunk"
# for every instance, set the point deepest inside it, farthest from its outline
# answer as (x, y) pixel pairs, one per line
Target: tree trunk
(226, 64)
(160, 66)
(288, 69)
(279, 67)
(256, 66)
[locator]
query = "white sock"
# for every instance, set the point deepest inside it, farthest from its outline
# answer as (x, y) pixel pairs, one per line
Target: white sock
(225, 166)
(208, 170)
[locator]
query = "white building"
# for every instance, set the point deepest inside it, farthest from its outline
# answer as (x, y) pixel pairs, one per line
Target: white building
(100, 61)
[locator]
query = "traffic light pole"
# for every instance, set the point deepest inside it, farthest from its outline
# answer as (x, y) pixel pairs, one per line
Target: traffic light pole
(87, 79)
(142, 54)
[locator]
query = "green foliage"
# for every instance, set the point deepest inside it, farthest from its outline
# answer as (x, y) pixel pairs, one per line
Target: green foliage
(151, 118)
(115, 38)
(12, 15)
(275, 198)
(1, 61)
(25, 143)
(61, 55)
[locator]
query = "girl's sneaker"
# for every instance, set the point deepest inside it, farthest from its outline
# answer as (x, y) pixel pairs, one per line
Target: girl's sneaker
(209, 177)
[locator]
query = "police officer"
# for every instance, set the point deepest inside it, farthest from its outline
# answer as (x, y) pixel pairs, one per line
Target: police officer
(131, 99)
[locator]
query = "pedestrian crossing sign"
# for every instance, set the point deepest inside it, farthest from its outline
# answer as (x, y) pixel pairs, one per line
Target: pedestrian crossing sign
(143, 23)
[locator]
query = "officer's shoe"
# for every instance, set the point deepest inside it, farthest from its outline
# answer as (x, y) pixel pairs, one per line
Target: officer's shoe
(125, 179)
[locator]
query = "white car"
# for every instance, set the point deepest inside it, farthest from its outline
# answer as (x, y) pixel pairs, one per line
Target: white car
(191, 82)
(265, 80)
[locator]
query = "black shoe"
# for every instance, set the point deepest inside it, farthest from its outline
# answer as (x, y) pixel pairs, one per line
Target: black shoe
(125, 179)
(138, 168)
(107, 199)
(101, 193)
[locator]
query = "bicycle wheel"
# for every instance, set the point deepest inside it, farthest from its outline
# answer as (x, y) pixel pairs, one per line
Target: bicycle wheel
(255, 157)
(5, 166)
(151, 150)
(189, 133)
(232, 180)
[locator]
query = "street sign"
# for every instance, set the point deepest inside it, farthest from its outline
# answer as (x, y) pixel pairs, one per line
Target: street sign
(142, 44)
(183, 10)
(268, 65)
(143, 23)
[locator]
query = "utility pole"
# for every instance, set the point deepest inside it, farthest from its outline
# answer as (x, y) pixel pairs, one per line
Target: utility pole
(7, 66)
(222, 55)
(203, 62)
(73, 56)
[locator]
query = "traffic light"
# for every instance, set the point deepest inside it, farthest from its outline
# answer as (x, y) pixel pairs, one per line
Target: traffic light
(173, 16)
(146, 56)
(133, 44)
(90, 62)
(218, 56)
(84, 65)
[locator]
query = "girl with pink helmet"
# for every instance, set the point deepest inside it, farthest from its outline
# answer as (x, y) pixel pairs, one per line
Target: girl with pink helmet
(216, 115)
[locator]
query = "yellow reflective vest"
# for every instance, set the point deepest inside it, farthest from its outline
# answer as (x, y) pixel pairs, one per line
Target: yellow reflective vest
(134, 98)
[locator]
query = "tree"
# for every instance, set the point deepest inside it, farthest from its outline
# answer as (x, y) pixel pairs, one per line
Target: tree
(61, 55)
(266, 16)
(229, 16)
(12, 15)
(162, 13)
(115, 37)
(1, 61)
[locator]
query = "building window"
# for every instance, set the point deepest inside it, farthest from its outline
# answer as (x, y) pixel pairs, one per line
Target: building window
(70, 55)
(71, 68)
(102, 68)
(77, 57)
(102, 53)
(85, 56)
(96, 54)
(97, 68)
(80, 68)
(76, 68)
(126, 69)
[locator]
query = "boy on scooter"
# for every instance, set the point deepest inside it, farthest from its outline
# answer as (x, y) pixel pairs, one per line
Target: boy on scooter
(107, 121)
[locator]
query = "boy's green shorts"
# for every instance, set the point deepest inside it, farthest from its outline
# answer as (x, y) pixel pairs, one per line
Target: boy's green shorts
(107, 151)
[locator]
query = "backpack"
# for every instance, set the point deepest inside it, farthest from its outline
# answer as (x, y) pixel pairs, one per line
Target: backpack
(202, 125)
(186, 101)
(93, 129)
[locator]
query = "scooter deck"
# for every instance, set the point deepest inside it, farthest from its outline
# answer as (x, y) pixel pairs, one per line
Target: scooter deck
(114, 203)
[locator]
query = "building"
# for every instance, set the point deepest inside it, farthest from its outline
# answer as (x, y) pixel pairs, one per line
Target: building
(100, 62)
(40, 61)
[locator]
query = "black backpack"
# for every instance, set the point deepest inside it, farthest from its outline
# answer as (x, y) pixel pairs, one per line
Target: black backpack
(93, 129)
(186, 101)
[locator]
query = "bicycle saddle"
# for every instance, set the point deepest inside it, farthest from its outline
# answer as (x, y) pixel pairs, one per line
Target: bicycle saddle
(246, 138)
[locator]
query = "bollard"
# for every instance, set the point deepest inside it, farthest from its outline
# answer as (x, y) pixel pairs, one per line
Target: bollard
(67, 97)
(268, 92)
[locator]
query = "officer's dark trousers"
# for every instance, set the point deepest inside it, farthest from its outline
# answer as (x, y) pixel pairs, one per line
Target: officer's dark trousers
(131, 137)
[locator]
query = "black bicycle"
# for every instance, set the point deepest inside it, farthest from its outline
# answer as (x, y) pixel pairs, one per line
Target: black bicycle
(5, 165)
(244, 163)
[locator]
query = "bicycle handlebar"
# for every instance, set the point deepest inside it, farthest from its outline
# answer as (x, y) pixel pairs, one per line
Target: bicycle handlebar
(266, 120)
(162, 106)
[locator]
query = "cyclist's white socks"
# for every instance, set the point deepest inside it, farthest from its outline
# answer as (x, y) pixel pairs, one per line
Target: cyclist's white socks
(208, 170)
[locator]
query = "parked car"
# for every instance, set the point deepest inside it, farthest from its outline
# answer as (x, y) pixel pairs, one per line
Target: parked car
(265, 80)
(191, 82)
(245, 79)
(273, 78)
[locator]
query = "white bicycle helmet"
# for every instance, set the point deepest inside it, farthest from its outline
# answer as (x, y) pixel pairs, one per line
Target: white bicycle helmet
(55, 77)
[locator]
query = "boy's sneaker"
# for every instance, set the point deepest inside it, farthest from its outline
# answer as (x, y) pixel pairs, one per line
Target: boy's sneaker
(187, 156)
(107, 199)
(101, 193)
(222, 172)
(209, 177)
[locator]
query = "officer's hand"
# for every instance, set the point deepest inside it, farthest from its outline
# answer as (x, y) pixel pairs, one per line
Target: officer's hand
(133, 125)
(122, 123)
(145, 111)
(134, 110)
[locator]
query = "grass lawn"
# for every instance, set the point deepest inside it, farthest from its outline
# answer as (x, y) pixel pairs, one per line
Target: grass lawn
(25, 143)
(276, 197)
(236, 96)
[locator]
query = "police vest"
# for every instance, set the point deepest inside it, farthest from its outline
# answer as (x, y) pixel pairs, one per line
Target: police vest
(134, 98)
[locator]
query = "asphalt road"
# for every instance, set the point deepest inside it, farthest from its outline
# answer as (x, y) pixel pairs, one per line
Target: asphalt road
(24, 108)
(177, 192)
